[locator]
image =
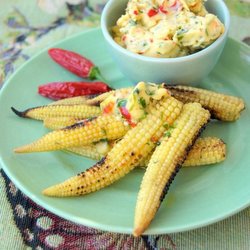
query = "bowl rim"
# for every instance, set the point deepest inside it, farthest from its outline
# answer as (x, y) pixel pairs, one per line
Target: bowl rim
(109, 38)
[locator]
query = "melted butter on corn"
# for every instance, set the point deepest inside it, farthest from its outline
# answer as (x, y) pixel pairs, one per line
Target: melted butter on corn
(133, 103)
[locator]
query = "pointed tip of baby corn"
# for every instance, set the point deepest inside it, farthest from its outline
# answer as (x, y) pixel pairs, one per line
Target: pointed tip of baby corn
(138, 231)
(28, 148)
(22, 149)
(51, 191)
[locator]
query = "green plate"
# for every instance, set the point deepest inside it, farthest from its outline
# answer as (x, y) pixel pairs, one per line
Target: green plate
(198, 197)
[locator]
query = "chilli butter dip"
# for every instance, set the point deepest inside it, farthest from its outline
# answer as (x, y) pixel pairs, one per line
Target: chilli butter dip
(166, 28)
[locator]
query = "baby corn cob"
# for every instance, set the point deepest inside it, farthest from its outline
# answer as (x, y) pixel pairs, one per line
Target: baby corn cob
(73, 100)
(222, 107)
(86, 132)
(124, 156)
(59, 122)
(165, 162)
(77, 111)
(207, 150)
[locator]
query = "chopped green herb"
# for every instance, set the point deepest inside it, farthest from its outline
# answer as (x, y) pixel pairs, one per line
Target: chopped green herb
(132, 22)
(167, 134)
(150, 93)
(171, 127)
(136, 91)
(104, 131)
(166, 125)
(104, 140)
(142, 102)
(121, 103)
(180, 33)
(143, 116)
(180, 37)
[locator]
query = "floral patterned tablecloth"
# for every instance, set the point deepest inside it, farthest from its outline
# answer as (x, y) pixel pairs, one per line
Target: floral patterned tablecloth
(26, 27)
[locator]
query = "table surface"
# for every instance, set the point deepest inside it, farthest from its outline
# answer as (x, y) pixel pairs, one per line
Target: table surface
(26, 27)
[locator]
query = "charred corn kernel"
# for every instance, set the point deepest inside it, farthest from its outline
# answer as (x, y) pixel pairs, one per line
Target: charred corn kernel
(59, 122)
(73, 100)
(124, 156)
(83, 133)
(165, 162)
(222, 107)
(95, 151)
(207, 150)
(76, 111)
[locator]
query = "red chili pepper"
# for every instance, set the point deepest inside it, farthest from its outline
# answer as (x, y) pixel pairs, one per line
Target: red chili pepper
(75, 63)
(127, 116)
(152, 12)
(61, 90)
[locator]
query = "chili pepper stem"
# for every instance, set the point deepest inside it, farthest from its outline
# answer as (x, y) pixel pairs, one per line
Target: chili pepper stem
(96, 74)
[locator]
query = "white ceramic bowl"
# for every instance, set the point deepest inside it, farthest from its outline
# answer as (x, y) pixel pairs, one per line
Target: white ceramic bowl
(189, 69)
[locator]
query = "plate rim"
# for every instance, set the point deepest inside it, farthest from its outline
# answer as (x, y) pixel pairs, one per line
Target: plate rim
(87, 222)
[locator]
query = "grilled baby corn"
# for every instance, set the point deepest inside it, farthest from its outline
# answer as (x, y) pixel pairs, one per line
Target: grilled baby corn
(77, 111)
(205, 151)
(222, 107)
(124, 156)
(165, 162)
(73, 100)
(86, 132)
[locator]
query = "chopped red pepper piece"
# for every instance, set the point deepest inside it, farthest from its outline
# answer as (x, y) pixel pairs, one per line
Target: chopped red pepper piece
(174, 3)
(124, 38)
(152, 12)
(135, 12)
(109, 108)
(161, 8)
(127, 116)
